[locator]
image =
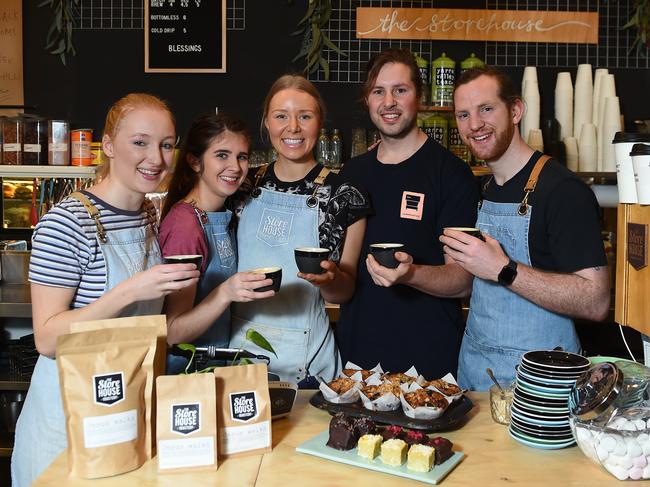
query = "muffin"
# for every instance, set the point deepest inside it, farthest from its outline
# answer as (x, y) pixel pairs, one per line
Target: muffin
(341, 385)
(426, 398)
(364, 373)
(443, 386)
(398, 378)
(376, 391)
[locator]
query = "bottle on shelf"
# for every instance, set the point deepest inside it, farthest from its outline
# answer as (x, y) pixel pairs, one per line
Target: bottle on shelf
(323, 148)
(456, 145)
(443, 77)
(336, 149)
(471, 62)
(423, 67)
(436, 127)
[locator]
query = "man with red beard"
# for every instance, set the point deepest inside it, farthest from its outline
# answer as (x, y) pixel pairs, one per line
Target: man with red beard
(542, 261)
(409, 315)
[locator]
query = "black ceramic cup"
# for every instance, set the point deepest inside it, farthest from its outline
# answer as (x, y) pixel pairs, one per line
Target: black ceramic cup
(384, 253)
(197, 260)
(273, 273)
(474, 232)
(308, 259)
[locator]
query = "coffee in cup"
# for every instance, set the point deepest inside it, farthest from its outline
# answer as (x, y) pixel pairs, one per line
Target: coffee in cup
(273, 273)
(474, 232)
(197, 260)
(384, 253)
(308, 259)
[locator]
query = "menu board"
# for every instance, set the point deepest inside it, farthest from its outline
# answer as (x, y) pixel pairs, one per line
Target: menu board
(185, 36)
(11, 55)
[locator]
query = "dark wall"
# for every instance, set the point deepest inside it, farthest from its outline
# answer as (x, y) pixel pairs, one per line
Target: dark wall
(110, 63)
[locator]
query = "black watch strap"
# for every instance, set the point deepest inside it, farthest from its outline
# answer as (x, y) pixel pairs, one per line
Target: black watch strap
(508, 273)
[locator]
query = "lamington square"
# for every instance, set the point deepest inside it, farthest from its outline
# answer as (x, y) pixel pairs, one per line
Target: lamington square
(369, 446)
(393, 452)
(421, 458)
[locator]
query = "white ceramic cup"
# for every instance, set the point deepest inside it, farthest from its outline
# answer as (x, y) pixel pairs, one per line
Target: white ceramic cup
(623, 143)
(641, 164)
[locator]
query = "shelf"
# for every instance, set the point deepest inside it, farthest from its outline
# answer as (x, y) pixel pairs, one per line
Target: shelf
(480, 170)
(433, 108)
(47, 171)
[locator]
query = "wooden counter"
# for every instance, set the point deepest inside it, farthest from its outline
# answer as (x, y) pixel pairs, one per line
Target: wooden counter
(493, 458)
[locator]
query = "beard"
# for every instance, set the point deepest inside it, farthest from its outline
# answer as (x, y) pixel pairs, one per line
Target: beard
(496, 150)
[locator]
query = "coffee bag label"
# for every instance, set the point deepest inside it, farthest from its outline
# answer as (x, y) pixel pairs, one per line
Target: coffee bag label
(108, 388)
(186, 418)
(243, 406)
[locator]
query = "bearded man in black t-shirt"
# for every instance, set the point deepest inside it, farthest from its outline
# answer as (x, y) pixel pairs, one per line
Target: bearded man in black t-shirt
(410, 315)
(542, 261)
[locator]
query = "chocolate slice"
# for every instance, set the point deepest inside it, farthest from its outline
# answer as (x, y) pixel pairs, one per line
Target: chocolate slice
(343, 435)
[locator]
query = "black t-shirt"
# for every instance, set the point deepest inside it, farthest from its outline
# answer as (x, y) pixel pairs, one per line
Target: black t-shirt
(413, 201)
(564, 233)
(340, 204)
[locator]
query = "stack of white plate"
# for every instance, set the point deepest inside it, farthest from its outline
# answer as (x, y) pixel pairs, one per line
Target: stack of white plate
(539, 413)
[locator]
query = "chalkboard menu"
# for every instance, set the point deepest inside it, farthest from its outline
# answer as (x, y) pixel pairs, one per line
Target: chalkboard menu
(185, 36)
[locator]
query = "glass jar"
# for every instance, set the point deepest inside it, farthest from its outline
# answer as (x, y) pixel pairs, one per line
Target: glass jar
(34, 141)
(500, 403)
(58, 143)
(609, 414)
(12, 147)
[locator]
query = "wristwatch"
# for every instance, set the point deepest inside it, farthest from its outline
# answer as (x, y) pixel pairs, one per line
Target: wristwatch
(508, 273)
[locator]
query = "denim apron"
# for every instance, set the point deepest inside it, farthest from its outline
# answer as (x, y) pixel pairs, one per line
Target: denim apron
(502, 325)
(222, 263)
(294, 321)
(40, 431)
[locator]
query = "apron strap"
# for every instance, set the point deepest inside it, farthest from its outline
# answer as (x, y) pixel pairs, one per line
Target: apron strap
(152, 214)
(312, 201)
(260, 174)
(93, 212)
(532, 183)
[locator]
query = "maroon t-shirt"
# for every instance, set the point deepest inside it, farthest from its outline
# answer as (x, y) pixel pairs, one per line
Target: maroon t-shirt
(181, 233)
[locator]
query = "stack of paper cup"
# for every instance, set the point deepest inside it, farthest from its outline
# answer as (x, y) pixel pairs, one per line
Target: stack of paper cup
(571, 150)
(582, 99)
(587, 148)
(611, 125)
(536, 140)
(623, 143)
(598, 78)
(564, 104)
(531, 98)
(607, 90)
(640, 155)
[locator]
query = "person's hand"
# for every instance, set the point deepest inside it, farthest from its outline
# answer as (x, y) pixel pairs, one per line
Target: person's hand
(386, 277)
(482, 259)
(318, 280)
(240, 287)
(161, 280)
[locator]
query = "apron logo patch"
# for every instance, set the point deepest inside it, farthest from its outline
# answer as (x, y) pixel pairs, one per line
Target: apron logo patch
(275, 227)
(243, 406)
(108, 388)
(412, 205)
(224, 248)
(186, 418)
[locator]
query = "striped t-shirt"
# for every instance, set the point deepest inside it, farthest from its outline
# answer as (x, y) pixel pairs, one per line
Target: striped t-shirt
(65, 249)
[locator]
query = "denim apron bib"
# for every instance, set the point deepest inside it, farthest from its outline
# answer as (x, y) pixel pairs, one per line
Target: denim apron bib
(502, 325)
(294, 321)
(222, 263)
(40, 431)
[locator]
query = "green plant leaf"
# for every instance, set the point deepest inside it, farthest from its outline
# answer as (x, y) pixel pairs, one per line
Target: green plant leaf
(245, 361)
(256, 338)
(187, 347)
(207, 369)
(333, 47)
(326, 68)
(310, 12)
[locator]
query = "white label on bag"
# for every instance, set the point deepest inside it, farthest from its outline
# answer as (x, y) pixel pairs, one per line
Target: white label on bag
(188, 452)
(235, 439)
(110, 429)
(32, 147)
(58, 146)
(11, 148)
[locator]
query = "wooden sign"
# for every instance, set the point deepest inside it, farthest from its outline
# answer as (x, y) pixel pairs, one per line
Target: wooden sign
(11, 55)
(185, 36)
(637, 245)
(477, 25)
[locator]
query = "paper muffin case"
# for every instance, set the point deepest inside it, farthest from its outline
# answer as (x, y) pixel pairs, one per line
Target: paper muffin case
(419, 412)
(387, 402)
(346, 398)
(451, 380)
(357, 375)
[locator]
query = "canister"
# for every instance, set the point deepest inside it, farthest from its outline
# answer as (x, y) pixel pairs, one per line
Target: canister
(443, 77)
(12, 147)
(34, 141)
(58, 143)
(423, 67)
(471, 62)
(80, 151)
(97, 153)
(456, 145)
(436, 127)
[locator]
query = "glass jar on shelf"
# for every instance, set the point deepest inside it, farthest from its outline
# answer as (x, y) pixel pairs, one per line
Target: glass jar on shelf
(12, 147)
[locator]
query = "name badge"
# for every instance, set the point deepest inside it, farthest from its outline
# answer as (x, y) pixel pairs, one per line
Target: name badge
(412, 205)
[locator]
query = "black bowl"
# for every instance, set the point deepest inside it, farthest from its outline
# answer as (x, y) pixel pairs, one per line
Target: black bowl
(197, 260)
(384, 253)
(556, 360)
(308, 259)
(273, 273)
(474, 232)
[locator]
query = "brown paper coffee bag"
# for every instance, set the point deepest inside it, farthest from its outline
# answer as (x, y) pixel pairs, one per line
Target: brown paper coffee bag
(186, 431)
(159, 323)
(103, 376)
(243, 410)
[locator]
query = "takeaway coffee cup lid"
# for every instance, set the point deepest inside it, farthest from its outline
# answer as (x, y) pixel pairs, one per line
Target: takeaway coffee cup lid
(640, 150)
(630, 137)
